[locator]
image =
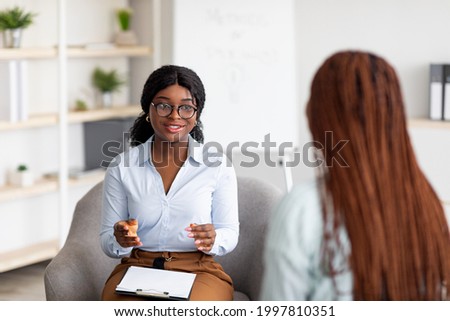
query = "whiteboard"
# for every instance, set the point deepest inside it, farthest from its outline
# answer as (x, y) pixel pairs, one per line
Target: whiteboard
(244, 53)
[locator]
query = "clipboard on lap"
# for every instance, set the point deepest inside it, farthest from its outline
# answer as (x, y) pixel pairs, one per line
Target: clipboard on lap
(156, 284)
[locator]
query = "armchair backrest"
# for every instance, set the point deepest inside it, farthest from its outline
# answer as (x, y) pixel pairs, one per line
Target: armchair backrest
(79, 271)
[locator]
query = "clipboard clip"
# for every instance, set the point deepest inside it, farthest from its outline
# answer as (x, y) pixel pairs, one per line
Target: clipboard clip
(152, 293)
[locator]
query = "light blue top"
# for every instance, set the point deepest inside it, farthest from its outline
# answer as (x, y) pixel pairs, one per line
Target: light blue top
(204, 191)
(294, 268)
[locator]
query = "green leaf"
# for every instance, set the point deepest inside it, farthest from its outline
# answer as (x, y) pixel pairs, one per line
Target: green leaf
(106, 81)
(15, 18)
(22, 168)
(124, 17)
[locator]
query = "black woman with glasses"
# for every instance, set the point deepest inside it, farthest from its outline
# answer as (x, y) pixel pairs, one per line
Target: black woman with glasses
(164, 204)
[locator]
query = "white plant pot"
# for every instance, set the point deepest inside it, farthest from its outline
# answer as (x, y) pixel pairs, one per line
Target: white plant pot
(12, 38)
(21, 179)
(106, 100)
(126, 38)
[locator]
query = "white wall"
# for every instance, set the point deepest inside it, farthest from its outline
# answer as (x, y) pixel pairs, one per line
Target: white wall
(409, 34)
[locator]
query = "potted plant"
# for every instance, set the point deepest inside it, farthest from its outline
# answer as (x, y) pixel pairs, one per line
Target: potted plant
(12, 22)
(106, 82)
(22, 176)
(80, 105)
(125, 36)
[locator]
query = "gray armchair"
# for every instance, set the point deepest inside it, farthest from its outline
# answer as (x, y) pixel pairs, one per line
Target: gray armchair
(78, 272)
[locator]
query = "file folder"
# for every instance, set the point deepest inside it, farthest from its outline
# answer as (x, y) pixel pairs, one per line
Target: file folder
(446, 95)
(437, 91)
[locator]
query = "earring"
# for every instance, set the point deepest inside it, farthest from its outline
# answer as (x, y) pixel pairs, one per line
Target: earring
(147, 118)
(196, 122)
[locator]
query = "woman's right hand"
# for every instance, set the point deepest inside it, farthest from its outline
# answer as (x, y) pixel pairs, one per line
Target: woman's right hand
(125, 233)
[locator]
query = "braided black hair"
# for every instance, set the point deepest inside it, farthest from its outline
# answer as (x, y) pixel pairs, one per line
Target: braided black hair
(159, 79)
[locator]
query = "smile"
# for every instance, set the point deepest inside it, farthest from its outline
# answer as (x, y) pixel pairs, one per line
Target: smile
(174, 128)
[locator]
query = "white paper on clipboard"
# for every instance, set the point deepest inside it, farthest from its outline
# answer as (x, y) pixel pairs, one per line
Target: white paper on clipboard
(157, 282)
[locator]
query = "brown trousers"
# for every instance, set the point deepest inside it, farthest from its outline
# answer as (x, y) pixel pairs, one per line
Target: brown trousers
(211, 282)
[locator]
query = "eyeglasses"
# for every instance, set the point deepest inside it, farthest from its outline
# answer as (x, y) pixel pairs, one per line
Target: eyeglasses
(184, 111)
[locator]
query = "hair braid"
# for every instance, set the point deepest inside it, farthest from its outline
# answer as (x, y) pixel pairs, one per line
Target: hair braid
(395, 222)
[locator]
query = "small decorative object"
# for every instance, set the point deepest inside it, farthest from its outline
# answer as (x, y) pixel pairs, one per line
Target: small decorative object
(80, 105)
(12, 22)
(125, 36)
(22, 176)
(106, 82)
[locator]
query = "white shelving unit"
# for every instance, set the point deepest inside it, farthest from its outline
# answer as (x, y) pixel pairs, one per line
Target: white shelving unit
(61, 122)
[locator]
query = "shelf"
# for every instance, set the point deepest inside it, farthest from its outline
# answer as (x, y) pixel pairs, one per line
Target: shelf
(81, 52)
(134, 51)
(29, 255)
(27, 53)
(428, 123)
(88, 179)
(47, 185)
(32, 122)
(102, 114)
(40, 187)
(74, 117)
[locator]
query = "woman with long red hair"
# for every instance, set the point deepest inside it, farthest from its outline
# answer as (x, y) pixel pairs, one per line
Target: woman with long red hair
(370, 227)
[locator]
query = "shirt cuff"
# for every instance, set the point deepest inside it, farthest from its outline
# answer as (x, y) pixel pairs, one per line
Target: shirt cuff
(216, 249)
(120, 251)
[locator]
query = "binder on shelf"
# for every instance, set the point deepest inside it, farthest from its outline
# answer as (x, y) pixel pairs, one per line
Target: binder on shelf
(22, 95)
(437, 91)
(13, 95)
(446, 95)
(156, 284)
(8, 92)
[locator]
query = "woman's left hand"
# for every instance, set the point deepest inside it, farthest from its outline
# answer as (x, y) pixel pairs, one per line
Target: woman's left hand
(204, 236)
